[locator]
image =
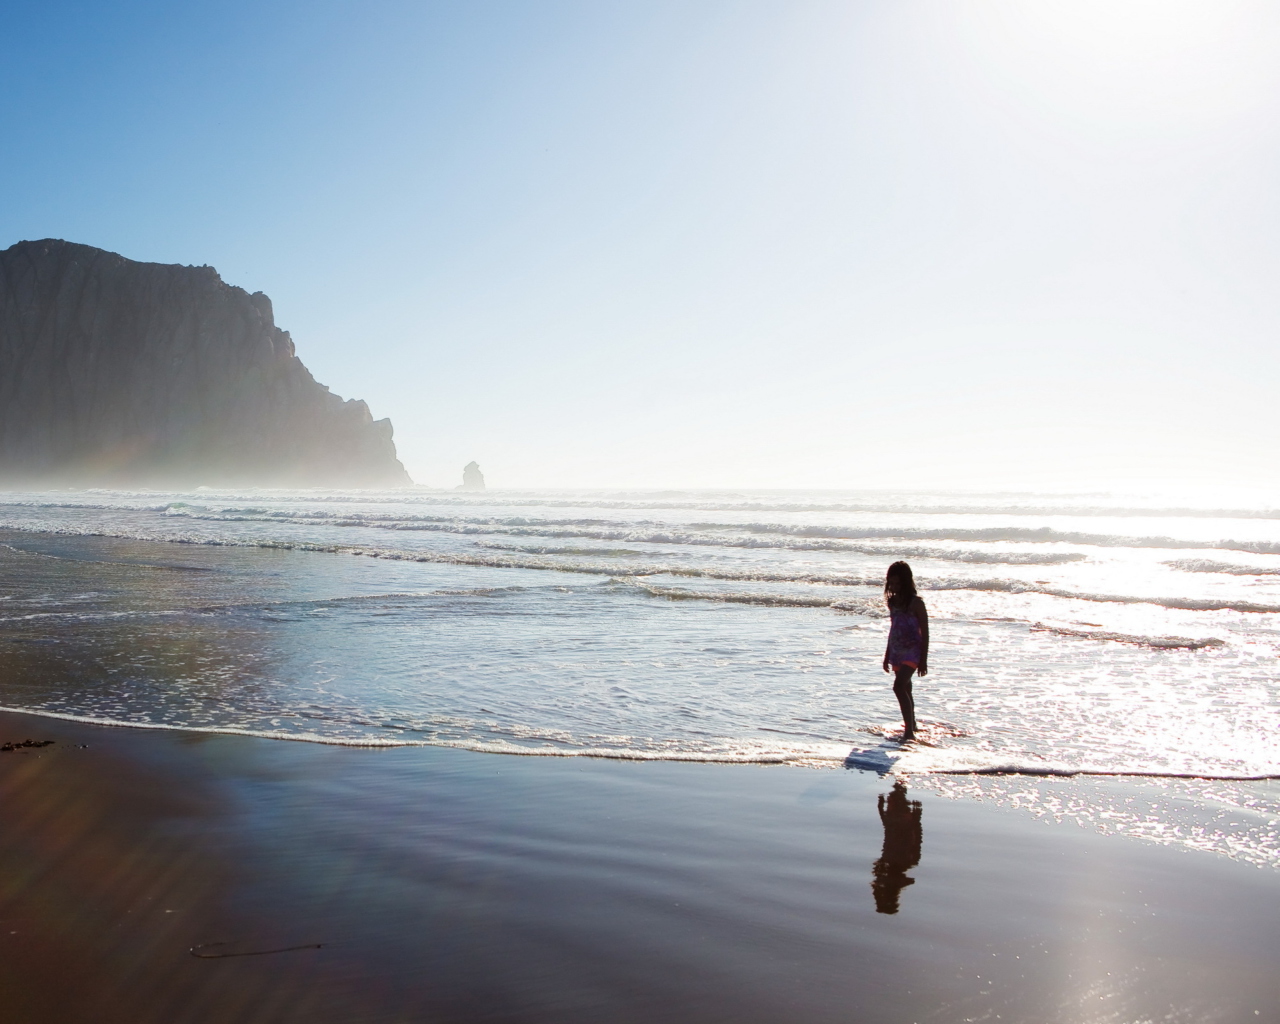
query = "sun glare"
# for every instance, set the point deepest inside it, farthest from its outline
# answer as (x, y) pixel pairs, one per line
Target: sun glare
(1158, 59)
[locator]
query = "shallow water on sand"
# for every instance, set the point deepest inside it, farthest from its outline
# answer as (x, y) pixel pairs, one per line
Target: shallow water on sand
(1088, 633)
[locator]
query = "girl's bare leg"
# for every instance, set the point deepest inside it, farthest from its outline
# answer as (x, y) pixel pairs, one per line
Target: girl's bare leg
(902, 690)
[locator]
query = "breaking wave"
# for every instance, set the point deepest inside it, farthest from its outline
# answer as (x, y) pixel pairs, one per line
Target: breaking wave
(514, 560)
(440, 515)
(1227, 568)
(870, 606)
(1165, 643)
(768, 535)
(682, 501)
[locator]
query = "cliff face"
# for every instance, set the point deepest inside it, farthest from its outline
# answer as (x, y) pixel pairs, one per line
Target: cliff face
(121, 373)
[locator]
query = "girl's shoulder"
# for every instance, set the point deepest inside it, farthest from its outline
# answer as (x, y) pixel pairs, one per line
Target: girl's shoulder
(917, 603)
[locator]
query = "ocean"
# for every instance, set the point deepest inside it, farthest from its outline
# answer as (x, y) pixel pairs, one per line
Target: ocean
(1115, 636)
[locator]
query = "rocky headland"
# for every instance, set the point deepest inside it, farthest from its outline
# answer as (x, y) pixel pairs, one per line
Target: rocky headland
(119, 373)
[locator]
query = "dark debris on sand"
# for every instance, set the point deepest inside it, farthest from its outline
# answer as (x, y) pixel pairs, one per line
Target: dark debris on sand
(5, 747)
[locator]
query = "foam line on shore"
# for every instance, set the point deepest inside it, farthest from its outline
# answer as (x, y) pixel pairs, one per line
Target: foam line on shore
(1119, 773)
(705, 757)
(879, 760)
(266, 734)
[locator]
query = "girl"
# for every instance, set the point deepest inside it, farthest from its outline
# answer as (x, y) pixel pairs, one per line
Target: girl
(908, 648)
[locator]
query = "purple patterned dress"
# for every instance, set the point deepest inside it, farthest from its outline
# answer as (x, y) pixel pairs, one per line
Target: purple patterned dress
(904, 639)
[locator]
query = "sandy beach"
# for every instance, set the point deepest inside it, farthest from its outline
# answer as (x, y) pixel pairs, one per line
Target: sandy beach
(640, 512)
(431, 884)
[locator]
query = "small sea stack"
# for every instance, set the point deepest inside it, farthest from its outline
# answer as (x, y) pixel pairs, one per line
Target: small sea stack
(472, 478)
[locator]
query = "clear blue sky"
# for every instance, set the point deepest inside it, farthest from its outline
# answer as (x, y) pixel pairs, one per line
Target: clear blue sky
(706, 243)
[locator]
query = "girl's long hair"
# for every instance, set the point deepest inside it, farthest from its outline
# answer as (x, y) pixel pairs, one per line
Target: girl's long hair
(899, 586)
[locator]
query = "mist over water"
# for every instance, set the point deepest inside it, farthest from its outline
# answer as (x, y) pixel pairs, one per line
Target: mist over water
(1069, 633)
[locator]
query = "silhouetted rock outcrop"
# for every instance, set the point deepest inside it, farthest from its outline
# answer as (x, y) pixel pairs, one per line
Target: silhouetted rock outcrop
(472, 478)
(125, 373)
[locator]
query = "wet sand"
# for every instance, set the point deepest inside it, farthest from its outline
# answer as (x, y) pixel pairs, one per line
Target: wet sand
(445, 885)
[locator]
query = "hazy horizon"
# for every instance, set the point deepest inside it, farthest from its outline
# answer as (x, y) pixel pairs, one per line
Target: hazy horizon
(831, 246)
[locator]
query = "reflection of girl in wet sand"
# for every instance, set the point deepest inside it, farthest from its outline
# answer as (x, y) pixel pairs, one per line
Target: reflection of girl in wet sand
(903, 836)
(908, 647)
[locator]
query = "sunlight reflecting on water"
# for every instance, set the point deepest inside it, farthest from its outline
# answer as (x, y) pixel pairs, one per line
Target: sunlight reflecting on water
(1069, 634)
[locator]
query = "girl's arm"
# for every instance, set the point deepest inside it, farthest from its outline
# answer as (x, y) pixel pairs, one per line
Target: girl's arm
(885, 665)
(922, 617)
